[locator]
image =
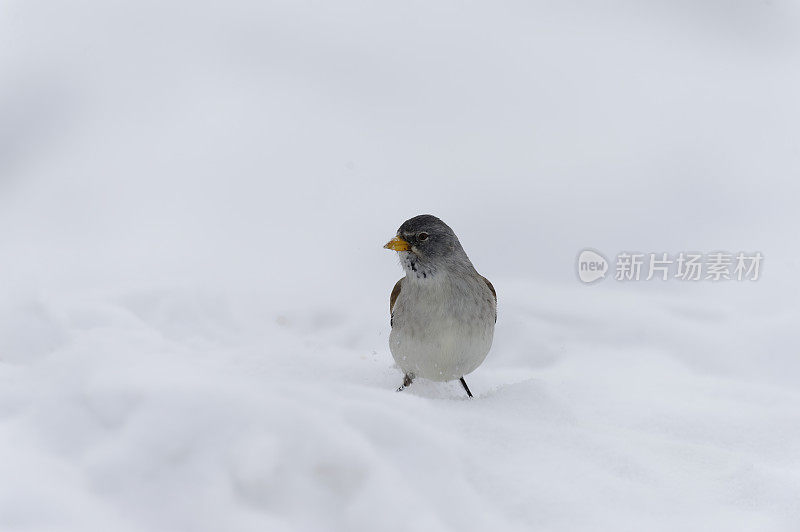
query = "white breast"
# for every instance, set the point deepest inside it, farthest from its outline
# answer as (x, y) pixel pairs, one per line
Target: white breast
(442, 327)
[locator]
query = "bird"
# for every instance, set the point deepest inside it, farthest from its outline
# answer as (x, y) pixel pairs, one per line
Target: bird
(442, 312)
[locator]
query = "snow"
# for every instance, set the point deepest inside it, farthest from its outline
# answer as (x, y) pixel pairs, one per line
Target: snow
(174, 410)
(194, 297)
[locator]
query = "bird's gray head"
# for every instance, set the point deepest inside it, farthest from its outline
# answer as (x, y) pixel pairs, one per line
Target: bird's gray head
(427, 245)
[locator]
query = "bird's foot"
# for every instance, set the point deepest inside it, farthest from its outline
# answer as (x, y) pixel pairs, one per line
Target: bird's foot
(407, 380)
(464, 384)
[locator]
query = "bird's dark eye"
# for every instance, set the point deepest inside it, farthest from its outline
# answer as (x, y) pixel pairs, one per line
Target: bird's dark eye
(422, 236)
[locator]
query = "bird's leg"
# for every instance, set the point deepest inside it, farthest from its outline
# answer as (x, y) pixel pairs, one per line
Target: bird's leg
(464, 384)
(407, 380)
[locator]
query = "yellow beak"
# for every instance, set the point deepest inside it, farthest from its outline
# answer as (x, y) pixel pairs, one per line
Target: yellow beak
(398, 244)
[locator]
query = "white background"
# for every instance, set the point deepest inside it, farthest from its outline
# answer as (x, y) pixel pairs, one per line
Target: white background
(194, 298)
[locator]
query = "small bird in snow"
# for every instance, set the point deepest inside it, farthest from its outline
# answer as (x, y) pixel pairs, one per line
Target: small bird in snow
(443, 311)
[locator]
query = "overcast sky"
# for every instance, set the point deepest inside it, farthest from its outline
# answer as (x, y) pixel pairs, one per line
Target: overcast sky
(262, 140)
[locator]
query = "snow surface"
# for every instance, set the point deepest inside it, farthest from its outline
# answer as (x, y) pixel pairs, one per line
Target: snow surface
(194, 297)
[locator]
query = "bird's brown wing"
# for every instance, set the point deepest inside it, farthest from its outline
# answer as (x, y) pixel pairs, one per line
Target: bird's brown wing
(491, 287)
(393, 298)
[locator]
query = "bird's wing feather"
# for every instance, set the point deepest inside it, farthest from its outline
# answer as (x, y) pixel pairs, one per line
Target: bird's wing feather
(393, 298)
(488, 283)
(491, 287)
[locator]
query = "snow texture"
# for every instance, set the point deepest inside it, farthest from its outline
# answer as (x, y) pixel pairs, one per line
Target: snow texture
(194, 298)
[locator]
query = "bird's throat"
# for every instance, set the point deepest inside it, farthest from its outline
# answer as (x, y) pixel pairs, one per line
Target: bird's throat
(415, 267)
